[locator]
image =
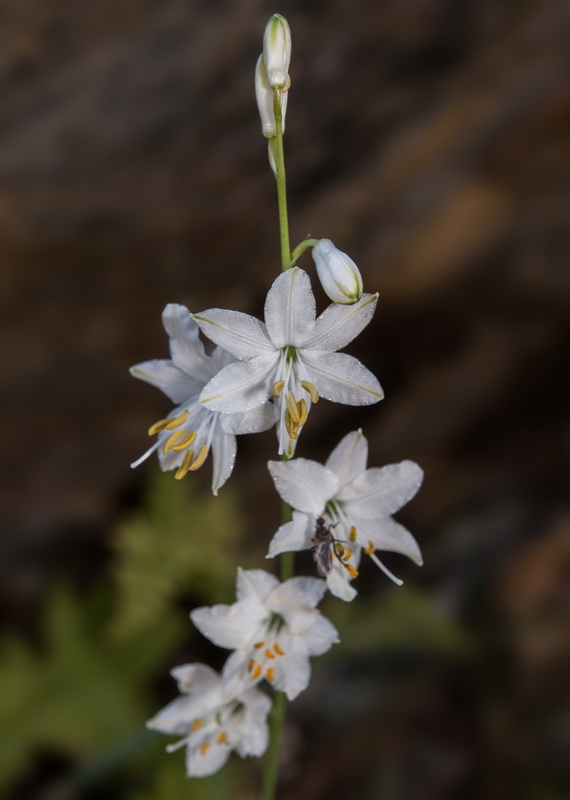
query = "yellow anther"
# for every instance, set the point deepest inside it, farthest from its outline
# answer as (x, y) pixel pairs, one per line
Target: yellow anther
(351, 571)
(370, 549)
(257, 645)
(200, 458)
(172, 440)
(278, 650)
(352, 535)
(290, 425)
(184, 443)
(223, 737)
(158, 426)
(204, 748)
(339, 549)
(303, 412)
(311, 389)
(292, 407)
(269, 654)
(251, 665)
(277, 388)
(270, 673)
(177, 421)
(256, 672)
(196, 724)
(185, 466)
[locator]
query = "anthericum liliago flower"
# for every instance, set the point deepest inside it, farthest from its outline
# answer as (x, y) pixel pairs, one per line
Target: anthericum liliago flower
(291, 358)
(184, 438)
(355, 505)
(213, 720)
(273, 628)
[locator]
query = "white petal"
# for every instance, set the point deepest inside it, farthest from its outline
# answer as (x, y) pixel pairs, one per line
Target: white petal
(294, 535)
(348, 459)
(338, 581)
(241, 386)
(340, 324)
(306, 485)
(320, 636)
(176, 716)
(229, 626)
(253, 729)
(200, 763)
(381, 491)
(342, 378)
(255, 584)
(185, 346)
(258, 419)
(295, 592)
(195, 676)
(167, 377)
(295, 678)
(241, 334)
(290, 308)
(387, 534)
(224, 450)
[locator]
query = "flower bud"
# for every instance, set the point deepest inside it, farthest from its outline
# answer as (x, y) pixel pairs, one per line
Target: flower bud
(277, 51)
(265, 101)
(338, 274)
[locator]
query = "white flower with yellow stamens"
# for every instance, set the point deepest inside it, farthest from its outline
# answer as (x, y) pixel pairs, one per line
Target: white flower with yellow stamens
(273, 628)
(213, 720)
(185, 437)
(292, 357)
(355, 503)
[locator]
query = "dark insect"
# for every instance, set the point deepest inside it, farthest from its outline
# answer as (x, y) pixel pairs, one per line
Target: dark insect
(322, 549)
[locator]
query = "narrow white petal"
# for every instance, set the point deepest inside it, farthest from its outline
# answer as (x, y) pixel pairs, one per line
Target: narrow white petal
(241, 386)
(295, 678)
(196, 676)
(255, 585)
(241, 334)
(294, 535)
(340, 324)
(185, 346)
(387, 534)
(300, 591)
(348, 459)
(200, 763)
(306, 485)
(342, 378)
(290, 308)
(167, 377)
(320, 636)
(381, 491)
(224, 450)
(338, 581)
(258, 419)
(229, 626)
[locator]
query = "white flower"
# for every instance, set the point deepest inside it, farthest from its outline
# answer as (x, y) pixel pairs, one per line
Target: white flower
(265, 97)
(277, 51)
(355, 503)
(186, 435)
(212, 720)
(292, 357)
(272, 627)
(338, 274)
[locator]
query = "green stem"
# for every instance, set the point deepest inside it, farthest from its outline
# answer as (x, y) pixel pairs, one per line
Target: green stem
(272, 760)
(281, 183)
(300, 249)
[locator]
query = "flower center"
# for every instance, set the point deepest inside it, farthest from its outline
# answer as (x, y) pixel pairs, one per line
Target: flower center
(268, 651)
(181, 439)
(294, 393)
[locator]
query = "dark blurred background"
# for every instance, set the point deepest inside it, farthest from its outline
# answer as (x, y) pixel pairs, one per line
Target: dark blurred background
(429, 140)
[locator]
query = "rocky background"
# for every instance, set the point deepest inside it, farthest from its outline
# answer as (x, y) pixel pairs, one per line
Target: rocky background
(429, 140)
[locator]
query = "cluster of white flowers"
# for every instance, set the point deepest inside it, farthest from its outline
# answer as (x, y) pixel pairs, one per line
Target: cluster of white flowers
(255, 375)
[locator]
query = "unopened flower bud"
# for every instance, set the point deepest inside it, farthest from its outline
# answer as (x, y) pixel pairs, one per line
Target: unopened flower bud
(265, 101)
(338, 274)
(277, 51)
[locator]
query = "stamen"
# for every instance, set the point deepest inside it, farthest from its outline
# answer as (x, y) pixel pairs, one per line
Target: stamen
(303, 411)
(177, 421)
(370, 549)
(292, 407)
(196, 724)
(223, 737)
(386, 571)
(185, 466)
(158, 426)
(184, 443)
(204, 749)
(257, 645)
(251, 665)
(278, 650)
(200, 458)
(339, 549)
(311, 389)
(256, 672)
(172, 440)
(270, 673)
(352, 535)
(290, 425)
(269, 654)
(351, 571)
(277, 388)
